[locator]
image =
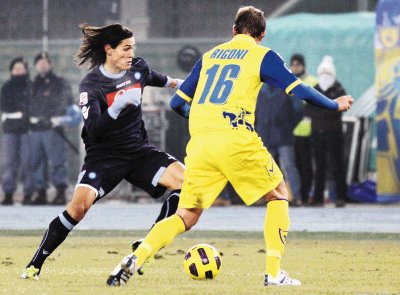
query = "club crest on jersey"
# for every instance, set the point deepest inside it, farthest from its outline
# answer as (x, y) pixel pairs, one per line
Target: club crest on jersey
(83, 98)
(137, 75)
(114, 95)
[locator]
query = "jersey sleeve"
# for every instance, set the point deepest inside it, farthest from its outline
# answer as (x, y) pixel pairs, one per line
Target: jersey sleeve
(153, 78)
(156, 79)
(95, 122)
(188, 87)
(274, 72)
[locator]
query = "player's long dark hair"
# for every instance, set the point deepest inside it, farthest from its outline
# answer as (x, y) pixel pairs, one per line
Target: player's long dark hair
(91, 52)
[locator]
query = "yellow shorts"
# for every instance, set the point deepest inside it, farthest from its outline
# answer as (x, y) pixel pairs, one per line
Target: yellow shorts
(216, 157)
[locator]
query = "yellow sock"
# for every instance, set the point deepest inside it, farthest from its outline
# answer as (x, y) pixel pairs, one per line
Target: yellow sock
(160, 235)
(276, 228)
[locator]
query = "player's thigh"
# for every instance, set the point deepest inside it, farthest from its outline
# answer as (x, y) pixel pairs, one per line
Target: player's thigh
(203, 180)
(172, 178)
(250, 168)
(149, 167)
(102, 176)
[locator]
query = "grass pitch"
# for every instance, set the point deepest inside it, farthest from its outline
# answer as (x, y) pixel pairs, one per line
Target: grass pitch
(326, 263)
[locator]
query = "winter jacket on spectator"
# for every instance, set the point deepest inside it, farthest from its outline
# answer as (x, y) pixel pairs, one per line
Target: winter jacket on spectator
(14, 104)
(52, 96)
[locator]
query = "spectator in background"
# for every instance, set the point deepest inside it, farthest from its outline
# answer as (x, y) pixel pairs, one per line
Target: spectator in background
(327, 136)
(14, 101)
(302, 132)
(276, 116)
(51, 108)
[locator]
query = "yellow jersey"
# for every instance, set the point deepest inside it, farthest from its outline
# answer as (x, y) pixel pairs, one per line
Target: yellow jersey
(224, 84)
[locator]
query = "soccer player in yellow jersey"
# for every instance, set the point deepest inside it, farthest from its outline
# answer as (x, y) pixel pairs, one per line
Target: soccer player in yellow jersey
(220, 93)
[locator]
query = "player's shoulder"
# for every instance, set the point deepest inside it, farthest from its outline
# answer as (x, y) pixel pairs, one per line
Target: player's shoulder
(139, 64)
(91, 79)
(263, 49)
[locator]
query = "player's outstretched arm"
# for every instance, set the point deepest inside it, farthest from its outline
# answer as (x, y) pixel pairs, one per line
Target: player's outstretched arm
(273, 71)
(174, 83)
(180, 106)
(180, 102)
(344, 103)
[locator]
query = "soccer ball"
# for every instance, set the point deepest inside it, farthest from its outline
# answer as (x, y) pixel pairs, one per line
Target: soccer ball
(202, 262)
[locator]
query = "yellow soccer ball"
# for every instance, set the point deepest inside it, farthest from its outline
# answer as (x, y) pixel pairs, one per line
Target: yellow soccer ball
(202, 262)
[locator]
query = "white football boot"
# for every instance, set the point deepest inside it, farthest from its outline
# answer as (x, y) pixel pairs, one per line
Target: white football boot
(123, 271)
(281, 279)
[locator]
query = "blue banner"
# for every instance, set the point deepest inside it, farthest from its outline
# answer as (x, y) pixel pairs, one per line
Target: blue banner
(387, 81)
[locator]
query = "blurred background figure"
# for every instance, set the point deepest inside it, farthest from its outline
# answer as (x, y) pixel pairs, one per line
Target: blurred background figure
(14, 100)
(276, 116)
(51, 108)
(302, 132)
(327, 137)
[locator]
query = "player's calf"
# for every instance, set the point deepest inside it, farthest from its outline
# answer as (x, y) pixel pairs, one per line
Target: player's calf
(56, 233)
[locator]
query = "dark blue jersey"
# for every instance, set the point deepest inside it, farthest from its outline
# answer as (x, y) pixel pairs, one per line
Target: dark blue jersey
(105, 137)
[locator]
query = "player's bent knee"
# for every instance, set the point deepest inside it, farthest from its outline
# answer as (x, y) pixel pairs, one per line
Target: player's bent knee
(81, 203)
(189, 217)
(173, 176)
(278, 193)
(77, 211)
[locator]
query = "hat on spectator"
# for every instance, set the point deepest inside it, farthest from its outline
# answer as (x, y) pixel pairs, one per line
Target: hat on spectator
(299, 58)
(327, 66)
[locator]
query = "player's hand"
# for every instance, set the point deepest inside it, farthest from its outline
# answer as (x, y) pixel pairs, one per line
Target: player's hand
(179, 83)
(344, 103)
(176, 83)
(132, 96)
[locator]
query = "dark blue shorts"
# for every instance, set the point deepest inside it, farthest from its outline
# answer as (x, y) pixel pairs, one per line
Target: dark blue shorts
(143, 170)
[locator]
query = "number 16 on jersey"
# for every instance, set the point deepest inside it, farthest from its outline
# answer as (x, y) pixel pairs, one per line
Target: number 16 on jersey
(223, 88)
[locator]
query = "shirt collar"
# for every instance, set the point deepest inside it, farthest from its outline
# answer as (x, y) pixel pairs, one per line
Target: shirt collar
(110, 75)
(244, 38)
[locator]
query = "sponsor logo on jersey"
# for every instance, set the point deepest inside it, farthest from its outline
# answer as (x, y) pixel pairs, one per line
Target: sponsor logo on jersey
(114, 95)
(270, 166)
(85, 112)
(123, 84)
(83, 98)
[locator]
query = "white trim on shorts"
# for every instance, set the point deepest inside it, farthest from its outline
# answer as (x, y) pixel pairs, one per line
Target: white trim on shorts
(158, 175)
(88, 186)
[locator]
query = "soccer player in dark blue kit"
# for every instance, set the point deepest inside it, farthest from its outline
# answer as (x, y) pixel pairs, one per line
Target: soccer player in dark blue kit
(115, 138)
